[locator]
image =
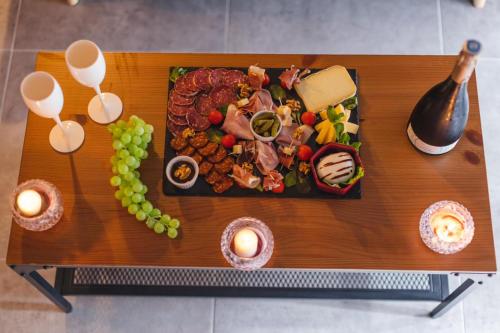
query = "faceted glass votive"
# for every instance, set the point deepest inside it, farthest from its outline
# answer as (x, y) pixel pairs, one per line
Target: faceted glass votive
(51, 210)
(264, 249)
(446, 227)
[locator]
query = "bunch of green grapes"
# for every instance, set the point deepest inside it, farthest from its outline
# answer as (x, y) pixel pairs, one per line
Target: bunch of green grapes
(130, 142)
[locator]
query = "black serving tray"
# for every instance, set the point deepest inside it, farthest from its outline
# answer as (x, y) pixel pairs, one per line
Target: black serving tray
(202, 188)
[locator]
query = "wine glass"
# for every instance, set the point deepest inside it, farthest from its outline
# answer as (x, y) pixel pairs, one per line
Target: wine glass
(43, 95)
(87, 65)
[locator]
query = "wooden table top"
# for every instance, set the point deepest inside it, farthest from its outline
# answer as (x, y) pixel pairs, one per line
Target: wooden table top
(378, 232)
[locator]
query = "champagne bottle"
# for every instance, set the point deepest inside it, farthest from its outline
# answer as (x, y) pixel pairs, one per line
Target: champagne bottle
(440, 116)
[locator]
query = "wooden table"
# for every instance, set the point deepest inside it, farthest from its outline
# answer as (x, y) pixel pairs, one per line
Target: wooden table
(378, 232)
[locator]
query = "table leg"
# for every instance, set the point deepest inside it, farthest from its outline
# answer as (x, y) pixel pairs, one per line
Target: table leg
(30, 274)
(456, 296)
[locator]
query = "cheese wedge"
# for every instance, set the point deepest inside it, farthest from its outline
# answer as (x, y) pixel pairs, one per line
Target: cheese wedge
(329, 86)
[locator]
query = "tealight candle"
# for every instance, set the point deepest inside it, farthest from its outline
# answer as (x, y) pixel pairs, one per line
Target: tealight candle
(447, 226)
(29, 203)
(245, 243)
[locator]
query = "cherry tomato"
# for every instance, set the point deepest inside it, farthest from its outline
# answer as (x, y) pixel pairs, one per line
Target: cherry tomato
(228, 141)
(308, 118)
(280, 188)
(304, 153)
(266, 81)
(215, 117)
(283, 85)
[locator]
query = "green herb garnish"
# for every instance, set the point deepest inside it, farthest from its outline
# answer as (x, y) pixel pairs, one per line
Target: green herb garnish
(277, 92)
(290, 179)
(214, 135)
(176, 73)
(356, 145)
(350, 103)
(223, 110)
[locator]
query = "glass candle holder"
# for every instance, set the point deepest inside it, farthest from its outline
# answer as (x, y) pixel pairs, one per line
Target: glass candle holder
(50, 208)
(264, 248)
(446, 227)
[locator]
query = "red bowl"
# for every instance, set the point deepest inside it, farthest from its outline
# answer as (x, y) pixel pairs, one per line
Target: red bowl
(329, 149)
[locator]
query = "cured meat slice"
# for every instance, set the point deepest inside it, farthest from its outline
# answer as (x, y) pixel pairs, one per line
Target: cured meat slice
(245, 178)
(223, 185)
(213, 177)
(217, 76)
(178, 143)
(188, 151)
(199, 140)
(209, 149)
(197, 121)
(222, 95)
(205, 168)
(225, 166)
(237, 124)
(234, 77)
(185, 85)
(201, 78)
(179, 99)
(204, 105)
(178, 120)
(218, 156)
(175, 129)
(266, 159)
(179, 110)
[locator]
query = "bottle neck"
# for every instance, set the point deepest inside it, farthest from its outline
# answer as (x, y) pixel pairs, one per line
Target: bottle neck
(464, 67)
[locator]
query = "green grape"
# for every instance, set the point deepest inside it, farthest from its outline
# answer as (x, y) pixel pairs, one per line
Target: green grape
(126, 201)
(146, 137)
(117, 132)
(148, 128)
(126, 138)
(144, 190)
(143, 145)
(132, 148)
(117, 145)
(138, 188)
(159, 228)
(139, 152)
(128, 192)
(137, 197)
(115, 181)
(137, 174)
(140, 122)
(155, 212)
(140, 215)
(114, 169)
(136, 140)
(119, 195)
(130, 161)
(139, 130)
(174, 223)
(150, 222)
(123, 153)
(129, 176)
(145, 155)
(165, 218)
(121, 123)
(147, 207)
(133, 209)
(172, 233)
(122, 168)
(110, 128)
(137, 164)
(133, 118)
(114, 159)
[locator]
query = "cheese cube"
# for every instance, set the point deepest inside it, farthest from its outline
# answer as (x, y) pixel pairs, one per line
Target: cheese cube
(329, 86)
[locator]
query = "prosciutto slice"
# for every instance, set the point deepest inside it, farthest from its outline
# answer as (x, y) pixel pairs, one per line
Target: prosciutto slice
(256, 76)
(289, 135)
(245, 178)
(266, 159)
(237, 124)
(260, 100)
(291, 76)
(272, 180)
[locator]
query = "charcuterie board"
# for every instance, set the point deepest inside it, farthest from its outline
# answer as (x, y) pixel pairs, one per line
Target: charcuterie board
(307, 187)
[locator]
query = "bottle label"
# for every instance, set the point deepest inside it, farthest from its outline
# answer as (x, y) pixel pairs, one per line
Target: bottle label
(427, 148)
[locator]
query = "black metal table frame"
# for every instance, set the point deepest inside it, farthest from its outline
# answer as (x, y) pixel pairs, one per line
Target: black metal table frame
(447, 300)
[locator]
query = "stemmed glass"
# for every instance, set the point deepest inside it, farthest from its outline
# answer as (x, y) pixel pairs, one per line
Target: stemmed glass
(87, 65)
(43, 95)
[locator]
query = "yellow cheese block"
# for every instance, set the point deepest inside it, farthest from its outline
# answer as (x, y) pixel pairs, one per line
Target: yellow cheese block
(329, 86)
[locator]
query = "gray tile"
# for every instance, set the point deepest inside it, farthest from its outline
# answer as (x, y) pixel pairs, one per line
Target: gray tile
(291, 315)
(4, 67)
(12, 127)
(8, 15)
(330, 26)
(462, 21)
(24, 309)
(174, 25)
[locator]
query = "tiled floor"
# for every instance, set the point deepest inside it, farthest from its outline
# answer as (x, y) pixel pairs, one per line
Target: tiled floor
(279, 26)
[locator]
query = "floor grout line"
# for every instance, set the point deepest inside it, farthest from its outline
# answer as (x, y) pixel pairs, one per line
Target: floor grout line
(440, 26)
(226, 25)
(11, 55)
(213, 314)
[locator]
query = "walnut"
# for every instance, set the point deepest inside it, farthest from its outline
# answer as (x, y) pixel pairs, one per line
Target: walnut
(183, 172)
(247, 166)
(188, 132)
(293, 104)
(244, 90)
(304, 167)
(297, 134)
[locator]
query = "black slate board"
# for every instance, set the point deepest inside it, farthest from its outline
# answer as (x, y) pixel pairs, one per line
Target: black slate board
(202, 188)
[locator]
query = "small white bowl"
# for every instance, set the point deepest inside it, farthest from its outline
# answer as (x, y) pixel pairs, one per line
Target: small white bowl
(186, 159)
(265, 138)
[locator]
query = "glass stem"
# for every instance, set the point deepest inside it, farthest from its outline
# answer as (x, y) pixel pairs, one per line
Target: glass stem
(101, 98)
(59, 123)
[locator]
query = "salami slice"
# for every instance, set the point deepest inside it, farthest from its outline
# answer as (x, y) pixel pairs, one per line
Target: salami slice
(201, 78)
(178, 120)
(176, 129)
(234, 77)
(217, 76)
(204, 105)
(179, 110)
(179, 99)
(222, 95)
(197, 121)
(185, 85)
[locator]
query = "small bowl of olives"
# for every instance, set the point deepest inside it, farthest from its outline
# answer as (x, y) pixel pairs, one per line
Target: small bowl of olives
(182, 172)
(265, 125)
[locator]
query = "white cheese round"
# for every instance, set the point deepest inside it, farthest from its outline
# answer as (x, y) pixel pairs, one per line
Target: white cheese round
(336, 168)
